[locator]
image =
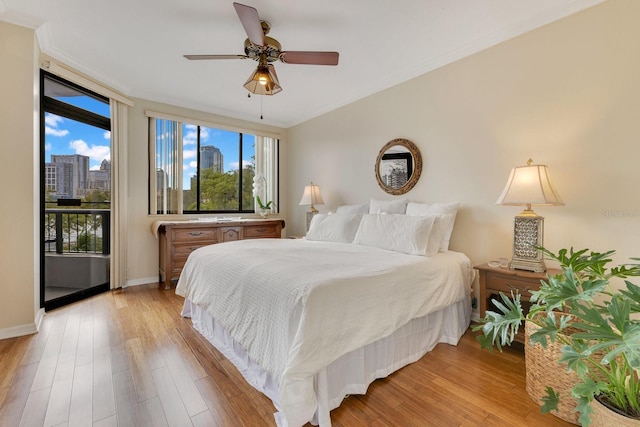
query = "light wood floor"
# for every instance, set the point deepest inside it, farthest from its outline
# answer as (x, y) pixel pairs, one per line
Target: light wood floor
(127, 358)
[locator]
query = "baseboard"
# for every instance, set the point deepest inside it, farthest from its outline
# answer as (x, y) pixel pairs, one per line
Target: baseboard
(39, 317)
(143, 281)
(21, 330)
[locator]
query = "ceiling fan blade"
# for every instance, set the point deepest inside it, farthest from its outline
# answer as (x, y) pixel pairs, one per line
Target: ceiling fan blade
(251, 23)
(197, 57)
(311, 58)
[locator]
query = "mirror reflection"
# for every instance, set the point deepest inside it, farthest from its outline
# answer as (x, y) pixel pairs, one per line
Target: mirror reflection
(398, 166)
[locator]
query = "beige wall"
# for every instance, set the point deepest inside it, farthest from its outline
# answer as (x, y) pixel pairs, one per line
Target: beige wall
(566, 95)
(19, 261)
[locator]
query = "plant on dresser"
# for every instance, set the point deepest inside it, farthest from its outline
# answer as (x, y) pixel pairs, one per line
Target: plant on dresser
(597, 325)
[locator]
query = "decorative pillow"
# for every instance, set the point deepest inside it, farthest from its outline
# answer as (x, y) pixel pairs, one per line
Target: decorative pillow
(353, 209)
(388, 206)
(334, 228)
(396, 232)
(422, 209)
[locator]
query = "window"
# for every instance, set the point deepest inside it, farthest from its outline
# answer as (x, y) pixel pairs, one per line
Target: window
(198, 168)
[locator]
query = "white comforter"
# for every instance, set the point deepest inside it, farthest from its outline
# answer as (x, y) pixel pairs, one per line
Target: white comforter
(295, 305)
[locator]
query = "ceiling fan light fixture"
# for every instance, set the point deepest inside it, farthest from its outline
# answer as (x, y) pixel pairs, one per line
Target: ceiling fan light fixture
(263, 81)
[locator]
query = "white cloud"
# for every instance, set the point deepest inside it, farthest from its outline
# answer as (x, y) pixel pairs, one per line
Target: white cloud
(95, 152)
(193, 164)
(52, 122)
(55, 132)
(234, 165)
(107, 135)
(190, 136)
(189, 154)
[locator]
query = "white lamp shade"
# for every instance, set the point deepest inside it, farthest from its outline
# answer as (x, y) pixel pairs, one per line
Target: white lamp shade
(311, 195)
(529, 185)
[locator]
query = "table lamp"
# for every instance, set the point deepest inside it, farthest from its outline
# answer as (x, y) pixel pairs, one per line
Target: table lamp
(311, 196)
(529, 185)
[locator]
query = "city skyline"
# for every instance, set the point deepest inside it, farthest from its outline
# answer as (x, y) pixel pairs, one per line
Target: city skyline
(64, 136)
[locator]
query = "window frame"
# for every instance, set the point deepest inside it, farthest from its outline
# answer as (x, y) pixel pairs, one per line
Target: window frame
(198, 176)
(200, 123)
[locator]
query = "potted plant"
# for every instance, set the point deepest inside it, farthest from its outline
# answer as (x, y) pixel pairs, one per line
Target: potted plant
(597, 325)
(264, 209)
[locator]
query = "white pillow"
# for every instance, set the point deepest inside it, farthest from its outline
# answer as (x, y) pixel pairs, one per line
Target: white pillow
(438, 231)
(388, 206)
(333, 228)
(396, 232)
(422, 209)
(353, 209)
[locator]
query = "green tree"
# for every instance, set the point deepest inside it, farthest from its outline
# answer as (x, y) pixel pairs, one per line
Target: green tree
(218, 191)
(98, 199)
(247, 187)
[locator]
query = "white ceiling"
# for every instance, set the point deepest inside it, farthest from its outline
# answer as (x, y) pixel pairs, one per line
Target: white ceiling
(136, 46)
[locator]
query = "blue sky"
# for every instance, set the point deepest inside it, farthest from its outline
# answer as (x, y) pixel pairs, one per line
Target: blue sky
(66, 136)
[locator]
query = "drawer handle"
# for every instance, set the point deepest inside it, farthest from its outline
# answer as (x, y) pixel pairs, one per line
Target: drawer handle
(195, 233)
(515, 288)
(261, 230)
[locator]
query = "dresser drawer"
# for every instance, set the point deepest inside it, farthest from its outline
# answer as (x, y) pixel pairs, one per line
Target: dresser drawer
(195, 235)
(185, 250)
(507, 284)
(178, 265)
(261, 231)
(229, 234)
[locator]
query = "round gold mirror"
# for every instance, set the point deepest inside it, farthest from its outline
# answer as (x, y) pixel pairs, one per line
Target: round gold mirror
(398, 166)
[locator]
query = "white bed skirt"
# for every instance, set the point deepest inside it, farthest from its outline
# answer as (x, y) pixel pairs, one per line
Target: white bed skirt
(353, 372)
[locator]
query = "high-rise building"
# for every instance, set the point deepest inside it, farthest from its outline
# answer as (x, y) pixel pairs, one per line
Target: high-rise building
(211, 158)
(101, 179)
(59, 179)
(79, 172)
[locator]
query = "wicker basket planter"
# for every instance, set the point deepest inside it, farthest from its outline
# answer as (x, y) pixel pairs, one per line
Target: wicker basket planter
(543, 370)
(602, 416)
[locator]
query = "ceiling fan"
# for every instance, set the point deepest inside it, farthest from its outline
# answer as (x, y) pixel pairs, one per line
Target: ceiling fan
(265, 50)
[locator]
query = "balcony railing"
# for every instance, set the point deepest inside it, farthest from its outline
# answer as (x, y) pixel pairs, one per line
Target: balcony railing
(72, 231)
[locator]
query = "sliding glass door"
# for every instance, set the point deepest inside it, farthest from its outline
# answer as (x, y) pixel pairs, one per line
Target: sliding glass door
(75, 192)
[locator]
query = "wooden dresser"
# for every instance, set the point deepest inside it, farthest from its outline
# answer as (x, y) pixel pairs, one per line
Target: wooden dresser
(178, 239)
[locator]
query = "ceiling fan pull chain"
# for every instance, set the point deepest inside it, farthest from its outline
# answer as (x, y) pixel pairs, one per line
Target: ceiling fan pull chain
(261, 98)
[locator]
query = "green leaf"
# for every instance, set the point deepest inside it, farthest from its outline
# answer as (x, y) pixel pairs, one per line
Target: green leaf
(584, 408)
(584, 393)
(262, 205)
(576, 356)
(550, 401)
(633, 293)
(499, 329)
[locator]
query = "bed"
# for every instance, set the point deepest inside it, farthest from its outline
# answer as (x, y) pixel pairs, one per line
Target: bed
(309, 321)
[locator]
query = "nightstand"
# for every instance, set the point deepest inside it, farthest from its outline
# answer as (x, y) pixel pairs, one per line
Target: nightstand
(501, 279)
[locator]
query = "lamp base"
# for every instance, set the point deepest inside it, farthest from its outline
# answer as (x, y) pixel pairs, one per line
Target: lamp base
(527, 236)
(536, 266)
(310, 215)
